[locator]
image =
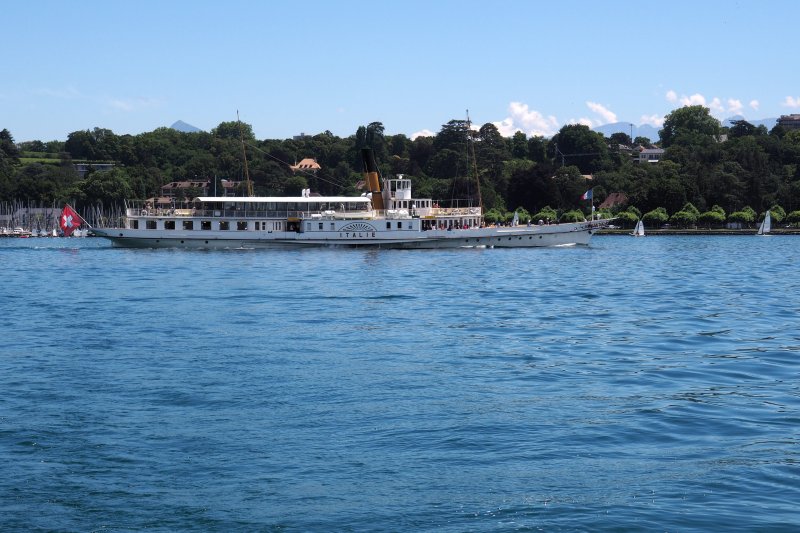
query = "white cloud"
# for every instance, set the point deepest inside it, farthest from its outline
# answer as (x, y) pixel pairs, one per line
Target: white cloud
(792, 101)
(735, 106)
(422, 133)
(716, 105)
(607, 116)
(583, 120)
(672, 96)
(695, 99)
(526, 120)
(653, 120)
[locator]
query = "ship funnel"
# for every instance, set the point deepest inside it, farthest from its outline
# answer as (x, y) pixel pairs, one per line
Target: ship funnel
(371, 177)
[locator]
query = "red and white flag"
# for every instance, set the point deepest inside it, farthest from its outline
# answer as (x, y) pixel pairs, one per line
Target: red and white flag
(70, 220)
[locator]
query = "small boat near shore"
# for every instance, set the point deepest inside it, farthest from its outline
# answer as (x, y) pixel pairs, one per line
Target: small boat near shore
(766, 225)
(385, 217)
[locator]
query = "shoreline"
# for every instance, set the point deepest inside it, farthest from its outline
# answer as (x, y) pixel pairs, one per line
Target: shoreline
(676, 231)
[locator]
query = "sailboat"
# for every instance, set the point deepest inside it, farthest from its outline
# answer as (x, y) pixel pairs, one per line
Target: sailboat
(766, 225)
(638, 231)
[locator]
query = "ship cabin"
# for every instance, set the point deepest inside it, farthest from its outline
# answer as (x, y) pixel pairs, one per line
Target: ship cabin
(459, 215)
(265, 213)
(294, 213)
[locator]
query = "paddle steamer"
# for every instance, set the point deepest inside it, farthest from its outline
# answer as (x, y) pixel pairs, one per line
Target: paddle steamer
(388, 216)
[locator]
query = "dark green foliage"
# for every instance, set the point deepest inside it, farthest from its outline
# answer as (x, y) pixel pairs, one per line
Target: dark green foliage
(752, 167)
(626, 219)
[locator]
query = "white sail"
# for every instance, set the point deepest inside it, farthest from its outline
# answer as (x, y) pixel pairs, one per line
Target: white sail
(766, 225)
(638, 231)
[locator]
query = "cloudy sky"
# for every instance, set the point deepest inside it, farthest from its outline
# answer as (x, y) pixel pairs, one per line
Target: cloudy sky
(311, 66)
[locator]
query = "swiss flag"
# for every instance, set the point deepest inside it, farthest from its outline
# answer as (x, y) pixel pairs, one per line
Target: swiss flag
(70, 220)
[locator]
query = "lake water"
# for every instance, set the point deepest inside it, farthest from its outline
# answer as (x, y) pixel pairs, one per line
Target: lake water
(635, 384)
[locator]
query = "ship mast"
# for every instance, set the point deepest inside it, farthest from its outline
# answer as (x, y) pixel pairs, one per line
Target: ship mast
(244, 157)
(474, 161)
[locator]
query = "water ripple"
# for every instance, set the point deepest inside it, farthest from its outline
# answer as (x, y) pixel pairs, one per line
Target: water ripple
(637, 384)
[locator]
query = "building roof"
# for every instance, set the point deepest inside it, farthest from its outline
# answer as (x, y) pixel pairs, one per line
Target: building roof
(306, 164)
(185, 184)
(614, 198)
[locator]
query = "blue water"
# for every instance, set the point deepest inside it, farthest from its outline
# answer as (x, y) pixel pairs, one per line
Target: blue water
(633, 385)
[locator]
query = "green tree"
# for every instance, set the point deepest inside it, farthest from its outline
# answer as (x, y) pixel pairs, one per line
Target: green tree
(519, 145)
(537, 149)
(777, 213)
(576, 144)
(107, 188)
(711, 218)
(657, 217)
(741, 128)
(621, 138)
(233, 130)
(683, 219)
(626, 219)
(745, 216)
(574, 215)
(793, 218)
(294, 185)
(690, 125)
(546, 214)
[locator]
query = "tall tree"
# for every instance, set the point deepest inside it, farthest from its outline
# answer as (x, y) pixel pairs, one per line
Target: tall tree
(689, 125)
(576, 144)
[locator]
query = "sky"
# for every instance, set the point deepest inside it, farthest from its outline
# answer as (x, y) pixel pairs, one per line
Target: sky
(307, 67)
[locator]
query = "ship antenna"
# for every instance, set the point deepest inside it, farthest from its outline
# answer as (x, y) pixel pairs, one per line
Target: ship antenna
(244, 156)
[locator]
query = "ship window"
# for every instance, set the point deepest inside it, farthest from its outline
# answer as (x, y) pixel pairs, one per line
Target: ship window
(241, 225)
(320, 225)
(188, 224)
(388, 225)
(151, 224)
(333, 226)
(205, 224)
(224, 225)
(169, 224)
(134, 224)
(399, 225)
(308, 226)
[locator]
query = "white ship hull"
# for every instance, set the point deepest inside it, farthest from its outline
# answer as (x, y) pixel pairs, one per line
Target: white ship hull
(501, 237)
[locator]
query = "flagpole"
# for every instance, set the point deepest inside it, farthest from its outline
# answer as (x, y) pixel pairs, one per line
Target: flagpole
(79, 215)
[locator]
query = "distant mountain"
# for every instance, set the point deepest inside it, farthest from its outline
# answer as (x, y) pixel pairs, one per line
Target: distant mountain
(769, 123)
(184, 127)
(645, 130)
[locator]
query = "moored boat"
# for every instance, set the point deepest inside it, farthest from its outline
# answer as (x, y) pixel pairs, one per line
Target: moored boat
(387, 217)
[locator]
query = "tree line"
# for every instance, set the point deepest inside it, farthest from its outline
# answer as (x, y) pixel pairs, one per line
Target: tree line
(709, 174)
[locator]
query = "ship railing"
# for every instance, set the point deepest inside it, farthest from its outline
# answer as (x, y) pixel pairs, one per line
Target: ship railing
(242, 213)
(455, 211)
